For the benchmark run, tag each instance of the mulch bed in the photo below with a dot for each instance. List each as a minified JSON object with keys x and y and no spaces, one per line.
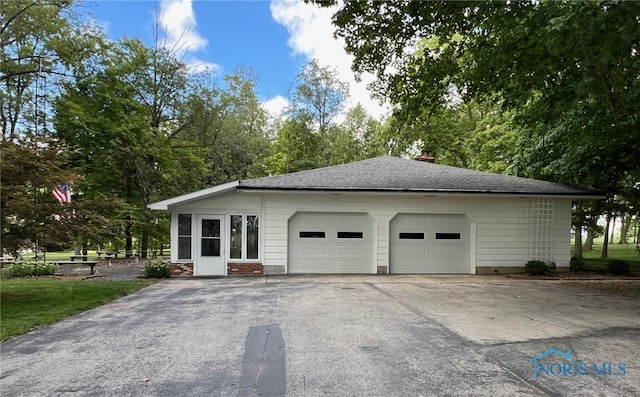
{"x":583,"y":275}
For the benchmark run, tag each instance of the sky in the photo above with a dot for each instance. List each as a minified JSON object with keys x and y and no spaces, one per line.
{"x":275,"y":38}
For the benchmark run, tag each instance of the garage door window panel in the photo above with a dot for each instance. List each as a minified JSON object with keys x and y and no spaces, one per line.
{"x":447,"y":236}
{"x":312,"y":235}
{"x":351,"y":235}
{"x":411,"y":236}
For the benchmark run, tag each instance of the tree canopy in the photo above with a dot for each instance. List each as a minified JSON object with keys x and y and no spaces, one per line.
{"x":539,"y":88}
{"x":568,"y":69}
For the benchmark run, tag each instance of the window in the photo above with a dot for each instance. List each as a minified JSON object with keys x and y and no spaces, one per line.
{"x":184,"y":236}
{"x":244,"y":237}
{"x":235,"y":237}
{"x":252,"y":236}
{"x":447,"y":236}
{"x":210,"y":242}
{"x":311,"y":234}
{"x":350,"y":234}
{"x":411,"y":236}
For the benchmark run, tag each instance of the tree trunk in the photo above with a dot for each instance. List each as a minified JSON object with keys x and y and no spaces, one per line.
{"x":128,"y":238}
{"x":577,"y":252}
{"x":161,"y":249}
{"x":144,"y":246}
{"x":588,"y":244}
{"x":605,"y":243}
{"x":624,"y":227}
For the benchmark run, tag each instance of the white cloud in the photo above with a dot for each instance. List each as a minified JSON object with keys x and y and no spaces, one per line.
{"x":311,"y":35}
{"x":179,"y":23}
{"x":276,"y":106}
{"x":196,"y":65}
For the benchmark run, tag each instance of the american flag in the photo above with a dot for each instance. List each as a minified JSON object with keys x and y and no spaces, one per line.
{"x":62,"y":193}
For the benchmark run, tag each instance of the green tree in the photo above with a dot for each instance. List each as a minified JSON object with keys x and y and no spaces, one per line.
{"x":29,"y":172}
{"x":230,"y":126}
{"x":295,"y":147}
{"x":41,"y":42}
{"x":358,"y":137}
{"x":320,"y":94}
{"x":124,"y":127}
{"x":568,"y":70}
{"x":319,"y":98}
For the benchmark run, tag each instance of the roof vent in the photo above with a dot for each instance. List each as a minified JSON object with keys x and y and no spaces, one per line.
{"x":426,"y":157}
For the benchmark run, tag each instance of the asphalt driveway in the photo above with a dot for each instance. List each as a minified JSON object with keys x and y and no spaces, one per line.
{"x":336,"y":336}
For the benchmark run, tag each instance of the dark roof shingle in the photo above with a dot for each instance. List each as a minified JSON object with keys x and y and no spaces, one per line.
{"x":388,"y":173}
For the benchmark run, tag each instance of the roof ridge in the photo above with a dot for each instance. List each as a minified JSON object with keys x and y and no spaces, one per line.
{"x":316,"y":169}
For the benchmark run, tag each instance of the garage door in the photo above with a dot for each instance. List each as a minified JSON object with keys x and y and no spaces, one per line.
{"x":330,"y":243}
{"x":429,"y":243}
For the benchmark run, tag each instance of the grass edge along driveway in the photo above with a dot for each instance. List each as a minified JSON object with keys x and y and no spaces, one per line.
{"x":29,"y":303}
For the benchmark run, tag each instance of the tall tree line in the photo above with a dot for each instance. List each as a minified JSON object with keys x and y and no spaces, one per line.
{"x":126,"y":124}
{"x":561,"y":76}
{"x":537,"y":89}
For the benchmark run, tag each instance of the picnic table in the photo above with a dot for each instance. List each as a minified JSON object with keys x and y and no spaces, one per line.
{"x":91,"y":264}
{"x":83,"y":257}
{"x":140,"y":253}
{"x":108,"y":254}
{"x":7,"y":259}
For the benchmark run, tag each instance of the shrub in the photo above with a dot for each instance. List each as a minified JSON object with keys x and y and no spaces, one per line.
{"x":577,"y":264}
{"x":536,"y":268}
{"x":551,"y":267}
{"x":617,"y":266}
{"x":157,"y":268}
{"x":28,"y":270}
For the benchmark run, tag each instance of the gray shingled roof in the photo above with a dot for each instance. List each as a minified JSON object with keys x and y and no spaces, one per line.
{"x":395,"y":174}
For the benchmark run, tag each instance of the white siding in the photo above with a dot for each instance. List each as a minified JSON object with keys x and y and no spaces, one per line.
{"x":562,"y":233}
{"x":223,"y":204}
{"x":502,"y":225}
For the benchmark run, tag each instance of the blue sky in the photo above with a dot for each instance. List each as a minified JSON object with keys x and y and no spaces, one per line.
{"x":275,"y":38}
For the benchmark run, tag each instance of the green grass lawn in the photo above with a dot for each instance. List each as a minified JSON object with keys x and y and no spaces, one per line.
{"x":26,"y":304}
{"x":625,"y":252}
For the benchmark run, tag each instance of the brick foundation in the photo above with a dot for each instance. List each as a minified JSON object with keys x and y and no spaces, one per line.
{"x":244,"y":269}
{"x":181,"y":269}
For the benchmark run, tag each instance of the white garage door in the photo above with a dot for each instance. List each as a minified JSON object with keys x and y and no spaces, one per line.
{"x":330,"y":243}
{"x":429,"y":243}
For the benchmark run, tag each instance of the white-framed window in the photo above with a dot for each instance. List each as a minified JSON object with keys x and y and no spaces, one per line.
{"x":184,"y":236}
{"x":244,"y":236}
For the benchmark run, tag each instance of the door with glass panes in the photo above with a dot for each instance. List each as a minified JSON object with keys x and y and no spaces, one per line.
{"x":210,"y":257}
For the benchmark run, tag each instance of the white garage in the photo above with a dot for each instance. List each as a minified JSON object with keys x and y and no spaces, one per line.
{"x":381,"y":215}
{"x":330,"y":243}
{"x":429,"y":243}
